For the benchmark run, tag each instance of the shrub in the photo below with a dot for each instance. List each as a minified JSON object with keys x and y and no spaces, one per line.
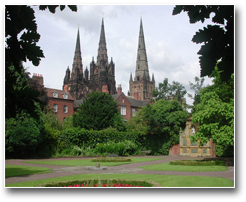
{"x":22,"y":136}
{"x":197,"y":162}
{"x":111,"y":159}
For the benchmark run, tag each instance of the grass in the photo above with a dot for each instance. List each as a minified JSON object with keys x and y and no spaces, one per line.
{"x":88,"y":162}
{"x":163,"y":180}
{"x":168,"y":167}
{"x":16,"y":170}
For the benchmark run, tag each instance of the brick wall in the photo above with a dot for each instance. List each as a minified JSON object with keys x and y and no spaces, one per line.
{"x":174,"y":150}
{"x":126,"y":104}
{"x":60,"y":104}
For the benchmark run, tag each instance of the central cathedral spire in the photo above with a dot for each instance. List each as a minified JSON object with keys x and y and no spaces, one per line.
{"x":102,"y":56}
{"x":77,"y":60}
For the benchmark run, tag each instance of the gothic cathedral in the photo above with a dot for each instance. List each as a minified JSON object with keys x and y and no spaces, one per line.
{"x":102,"y":73}
{"x":141,"y":88}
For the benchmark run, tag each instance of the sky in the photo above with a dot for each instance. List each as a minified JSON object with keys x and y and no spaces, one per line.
{"x":170,"y":52}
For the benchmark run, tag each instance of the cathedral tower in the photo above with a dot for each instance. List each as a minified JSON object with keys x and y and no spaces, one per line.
{"x":141,"y":87}
{"x":102,"y":73}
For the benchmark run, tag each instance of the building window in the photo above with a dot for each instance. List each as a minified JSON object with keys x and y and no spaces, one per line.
{"x":184,"y":142}
{"x":122,"y":100}
{"x":133,"y":112}
{"x":55,"y":94}
{"x":123,"y":110}
{"x":65,"y":95}
{"x":55,"y":108}
{"x":65,"y":108}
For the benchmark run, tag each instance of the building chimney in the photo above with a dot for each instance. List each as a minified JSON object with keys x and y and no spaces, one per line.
{"x":105,"y":89}
{"x":136,"y":96}
{"x":119,"y":89}
{"x":65,"y":88}
{"x":39,"y":79}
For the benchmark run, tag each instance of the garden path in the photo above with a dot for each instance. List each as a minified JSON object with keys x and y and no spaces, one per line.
{"x":127,"y":168}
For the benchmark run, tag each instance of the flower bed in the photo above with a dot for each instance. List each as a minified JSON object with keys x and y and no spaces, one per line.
{"x":111,"y":159}
{"x":203,"y":162}
{"x":103,"y":183}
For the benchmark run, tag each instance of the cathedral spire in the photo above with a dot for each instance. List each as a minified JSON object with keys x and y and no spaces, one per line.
{"x":142,"y":62}
{"x":102,"y":56}
{"x":77,"y":60}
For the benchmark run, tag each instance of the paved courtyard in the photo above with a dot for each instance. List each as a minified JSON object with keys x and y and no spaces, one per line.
{"x":127,"y":168}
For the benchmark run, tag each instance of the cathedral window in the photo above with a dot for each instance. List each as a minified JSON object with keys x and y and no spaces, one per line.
{"x":55,"y":94}
{"x":123,"y":110}
{"x":138,"y":78}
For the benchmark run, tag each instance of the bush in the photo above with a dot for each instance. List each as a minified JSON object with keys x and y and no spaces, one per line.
{"x":111,"y":159}
{"x":197,"y":162}
{"x":22,"y":136}
{"x":121,"y":148}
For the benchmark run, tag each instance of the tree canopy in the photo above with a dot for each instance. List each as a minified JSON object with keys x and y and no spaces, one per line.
{"x":98,"y":111}
{"x":160,"y":123}
{"x":215,"y":114}
{"x":217,"y":40}
{"x":167,"y":91}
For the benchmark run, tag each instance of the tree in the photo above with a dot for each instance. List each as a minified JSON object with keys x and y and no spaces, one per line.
{"x":21,"y":35}
{"x":168,"y":91}
{"x":215,"y":114}
{"x":21,"y":39}
{"x":23,"y":135}
{"x":98,"y":111}
{"x":197,"y":86}
{"x":218,"y":40}
{"x":22,"y":94}
{"x":161,"y":123}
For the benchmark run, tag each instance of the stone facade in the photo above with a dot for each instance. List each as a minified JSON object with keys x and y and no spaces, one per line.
{"x":101,"y":76}
{"x":192,"y":149}
{"x":141,"y":87}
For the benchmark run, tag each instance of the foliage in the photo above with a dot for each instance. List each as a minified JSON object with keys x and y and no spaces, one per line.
{"x":203,"y":162}
{"x":197,"y":86}
{"x":159,"y":125}
{"x":111,"y":159}
{"x":21,"y":35}
{"x":23,"y":135}
{"x":169,"y":91}
{"x":101,"y":183}
{"x":121,"y":148}
{"x":218,"y":40}
{"x":97,"y":112}
{"x":21,"y":94}
{"x":215,"y":114}
{"x":90,"y":138}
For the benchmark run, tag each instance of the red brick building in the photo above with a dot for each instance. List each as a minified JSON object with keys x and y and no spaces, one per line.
{"x":60,"y":101}
{"x":128,"y":106}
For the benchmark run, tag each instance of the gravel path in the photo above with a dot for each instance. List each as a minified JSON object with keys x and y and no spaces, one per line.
{"x":127,"y":168}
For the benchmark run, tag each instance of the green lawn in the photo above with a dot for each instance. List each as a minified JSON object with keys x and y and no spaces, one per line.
{"x":168,"y":167}
{"x":15,"y":170}
{"x":88,"y":162}
{"x":163,"y":180}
